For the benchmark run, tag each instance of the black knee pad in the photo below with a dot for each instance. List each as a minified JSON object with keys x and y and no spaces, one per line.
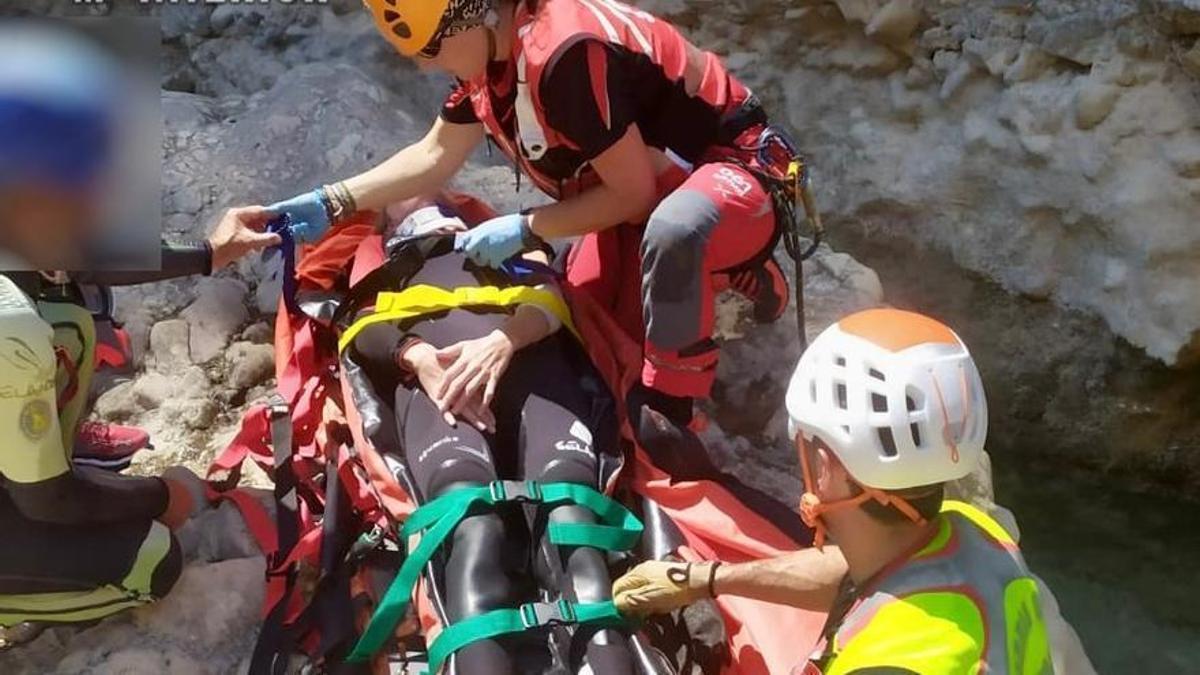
{"x":480,"y":566}
{"x":167,"y":573}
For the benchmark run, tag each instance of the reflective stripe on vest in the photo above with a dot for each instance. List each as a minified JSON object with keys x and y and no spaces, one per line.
{"x":966,"y":599}
{"x":423,"y":300}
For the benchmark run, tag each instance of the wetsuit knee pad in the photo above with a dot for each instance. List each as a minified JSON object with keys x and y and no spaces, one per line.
{"x":481,"y":561}
{"x":680,"y":225}
{"x":479,"y":566}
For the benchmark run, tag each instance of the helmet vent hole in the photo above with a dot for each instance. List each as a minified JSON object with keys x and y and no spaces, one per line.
{"x":916,"y":434}
{"x":915,"y":398}
{"x":879,"y":403}
{"x":402,"y":30}
{"x":812,"y":391}
{"x":839,"y":361}
{"x":877,"y":375}
{"x":391,"y":2}
{"x":888,"y":442}
{"x":839,"y":394}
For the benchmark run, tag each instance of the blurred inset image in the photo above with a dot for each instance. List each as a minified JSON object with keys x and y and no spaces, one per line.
{"x":80,"y":139}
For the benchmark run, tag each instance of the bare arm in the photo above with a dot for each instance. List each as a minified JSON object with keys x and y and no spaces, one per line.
{"x":626,"y":193}
{"x":808,"y":578}
{"x":529,"y":324}
{"x":419,"y":169}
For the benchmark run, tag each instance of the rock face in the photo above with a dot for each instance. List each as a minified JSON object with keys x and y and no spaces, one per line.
{"x":1050,"y":145}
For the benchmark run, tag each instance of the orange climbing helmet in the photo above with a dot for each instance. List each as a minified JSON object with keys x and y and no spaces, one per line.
{"x":417,"y":27}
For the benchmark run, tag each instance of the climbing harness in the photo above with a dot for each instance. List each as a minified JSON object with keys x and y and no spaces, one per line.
{"x":775,"y":148}
{"x":618,"y":530}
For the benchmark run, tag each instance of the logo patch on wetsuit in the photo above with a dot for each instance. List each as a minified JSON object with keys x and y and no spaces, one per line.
{"x":579,"y":430}
{"x":36,"y":419}
{"x":581,"y":443}
{"x":481,"y":454}
{"x":435,"y":445}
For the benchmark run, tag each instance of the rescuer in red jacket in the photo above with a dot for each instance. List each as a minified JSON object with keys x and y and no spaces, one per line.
{"x":650,"y":147}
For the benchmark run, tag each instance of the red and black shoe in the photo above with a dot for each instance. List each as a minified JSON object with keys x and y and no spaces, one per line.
{"x":766,"y":287}
{"x":108,"y":446}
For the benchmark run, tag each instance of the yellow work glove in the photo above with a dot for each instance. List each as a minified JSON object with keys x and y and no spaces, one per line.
{"x":659,"y":586}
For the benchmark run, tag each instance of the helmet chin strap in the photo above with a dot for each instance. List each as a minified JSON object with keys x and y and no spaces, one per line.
{"x":812,"y":508}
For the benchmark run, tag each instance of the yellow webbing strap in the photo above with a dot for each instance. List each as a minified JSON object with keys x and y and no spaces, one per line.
{"x":423,"y":299}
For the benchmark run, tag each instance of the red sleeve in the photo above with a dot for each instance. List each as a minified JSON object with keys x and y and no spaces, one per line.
{"x":457,"y":108}
{"x":585,"y":97}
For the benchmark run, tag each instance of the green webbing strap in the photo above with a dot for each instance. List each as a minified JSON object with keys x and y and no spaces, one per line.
{"x":505,"y":621}
{"x":618,"y":530}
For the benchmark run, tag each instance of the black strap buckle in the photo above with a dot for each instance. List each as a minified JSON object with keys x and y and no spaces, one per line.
{"x":522,"y":492}
{"x":535,"y":614}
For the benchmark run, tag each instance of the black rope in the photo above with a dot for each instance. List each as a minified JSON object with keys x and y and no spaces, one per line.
{"x":785,"y":192}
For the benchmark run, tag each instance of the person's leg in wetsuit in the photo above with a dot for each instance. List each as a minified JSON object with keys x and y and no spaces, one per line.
{"x":561,"y":431}
{"x":479,"y":571}
{"x":43,"y":577}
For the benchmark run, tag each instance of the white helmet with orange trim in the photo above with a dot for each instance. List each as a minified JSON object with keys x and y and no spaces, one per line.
{"x":896,"y":397}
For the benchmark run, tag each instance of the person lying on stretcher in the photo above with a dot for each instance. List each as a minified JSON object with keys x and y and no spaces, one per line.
{"x":490,"y":393}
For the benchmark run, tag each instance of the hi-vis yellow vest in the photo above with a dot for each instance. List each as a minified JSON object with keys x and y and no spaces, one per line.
{"x":33,"y":443}
{"x":963,"y":604}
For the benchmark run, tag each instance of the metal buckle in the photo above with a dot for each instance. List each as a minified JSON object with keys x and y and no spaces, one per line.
{"x":277,"y":407}
{"x":535,"y":614}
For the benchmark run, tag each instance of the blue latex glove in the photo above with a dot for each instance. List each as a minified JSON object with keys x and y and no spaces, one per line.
{"x":310,"y":220}
{"x":495,"y":240}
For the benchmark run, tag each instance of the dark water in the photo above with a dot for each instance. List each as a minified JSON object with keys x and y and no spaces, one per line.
{"x":1094,"y":447}
{"x":1124,"y":565}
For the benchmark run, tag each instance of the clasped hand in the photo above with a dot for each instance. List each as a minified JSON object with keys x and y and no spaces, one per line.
{"x":462,"y":379}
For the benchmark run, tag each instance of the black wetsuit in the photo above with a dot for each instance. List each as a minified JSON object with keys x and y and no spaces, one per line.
{"x":554,"y":421}
{"x":82,"y":528}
